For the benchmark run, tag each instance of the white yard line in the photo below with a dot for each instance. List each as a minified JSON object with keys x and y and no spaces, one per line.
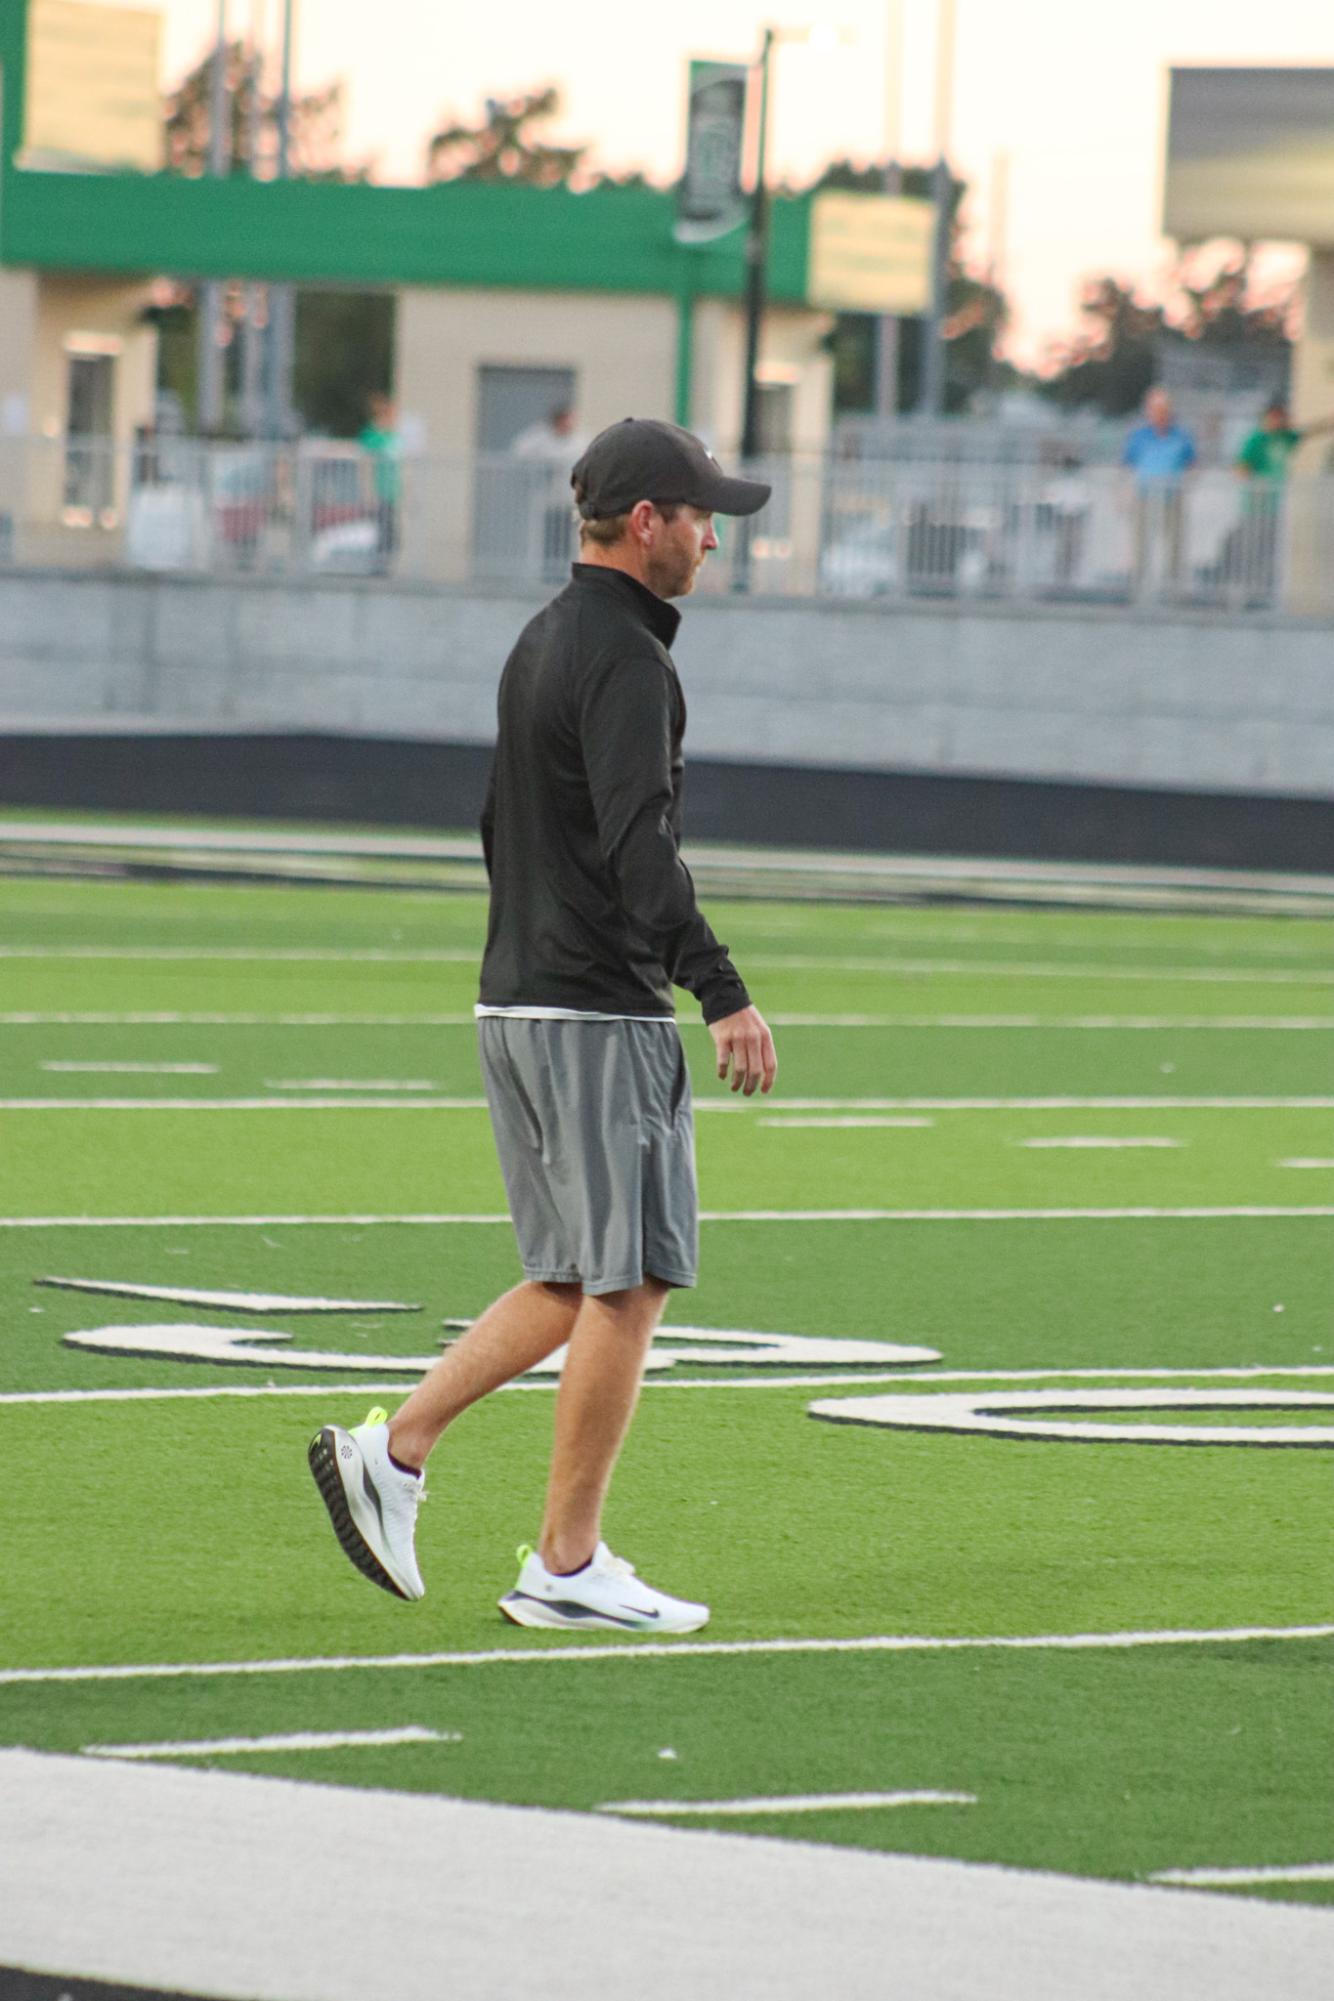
{"x":169,"y":1877}
{"x":1092,"y":1142}
{"x":1124,"y":1104}
{"x":174,"y":1018}
{"x":369,"y":1221}
{"x":678,"y":1650}
{"x":284,"y":1390}
{"x":863,"y":1379}
{"x":226,"y":1301}
{"x":1109,"y":1023}
{"x":1297,"y":1023}
{"x":782,"y":1803}
{"x":784,"y":1112}
{"x":351,"y":1084}
{"x":1016,"y":969}
{"x":1318,"y":975}
{"x":462,"y":955}
{"x":1224,"y":1879}
{"x":271,"y":1104}
{"x":866,"y":1120}
{"x":296,"y":1740}
{"x":135,"y":1069}
{"x":1304,"y":1163}
{"x":170,"y":1018}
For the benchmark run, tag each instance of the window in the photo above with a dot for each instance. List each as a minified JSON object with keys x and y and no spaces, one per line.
{"x":89,"y":486}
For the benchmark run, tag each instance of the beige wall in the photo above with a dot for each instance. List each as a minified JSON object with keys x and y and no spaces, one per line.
{"x":18,"y":335}
{"x":622,"y":350}
{"x":107,"y":312}
{"x":97,"y":316}
{"x":790,"y":346}
{"x":1307,"y":525}
{"x":18,"y":332}
{"x":1313,"y":362}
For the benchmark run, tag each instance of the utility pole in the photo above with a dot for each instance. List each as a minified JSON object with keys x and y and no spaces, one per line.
{"x":932,"y":399}
{"x":998,"y":215}
{"x":254,"y":324}
{"x":209,"y":399}
{"x":757,"y":257}
{"x":282,"y":298}
{"x":887,"y":329}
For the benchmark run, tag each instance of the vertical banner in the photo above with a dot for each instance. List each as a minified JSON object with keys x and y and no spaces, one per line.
{"x":710,"y":201}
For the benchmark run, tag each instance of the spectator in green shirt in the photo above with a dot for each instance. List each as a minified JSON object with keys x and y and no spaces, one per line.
{"x":1266,"y":452}
{"x":379,"y":439}
{"x":1263,"y":464}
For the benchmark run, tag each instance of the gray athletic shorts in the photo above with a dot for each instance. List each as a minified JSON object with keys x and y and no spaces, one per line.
{"x":597,"y":1146}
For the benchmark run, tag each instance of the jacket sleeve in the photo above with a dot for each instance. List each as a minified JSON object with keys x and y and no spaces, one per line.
{"x":625,"y":729}
{"x":488,"y":822}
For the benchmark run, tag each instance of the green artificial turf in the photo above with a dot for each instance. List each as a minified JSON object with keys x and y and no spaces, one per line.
{"x":179,"y":1531}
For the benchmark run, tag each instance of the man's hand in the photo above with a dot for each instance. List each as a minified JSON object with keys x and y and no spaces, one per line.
{"x":744,"y":1045}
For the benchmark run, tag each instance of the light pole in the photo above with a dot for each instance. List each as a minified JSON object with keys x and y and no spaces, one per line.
{"x":254,"y":323}
{"x":932,"y":399}
{"x":209,"y":395}
{"x":887,"y":331}
{"x":757,"y":257}
{"x":282,"y":298}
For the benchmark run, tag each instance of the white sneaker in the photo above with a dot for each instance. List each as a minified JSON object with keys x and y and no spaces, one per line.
{"x":605,"y":1593}
{"x":372,"y":1503}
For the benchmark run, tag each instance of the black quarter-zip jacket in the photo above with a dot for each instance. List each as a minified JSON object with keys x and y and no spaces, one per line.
{"x":592,"y":907}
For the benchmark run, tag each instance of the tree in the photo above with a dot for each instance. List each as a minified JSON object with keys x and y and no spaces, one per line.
{"x":315,"y":124}
{"x":344,"y":355}
{"x":1113,"y":359}
{"x":1118,"y":353}
{"x":506,"y":146}
{"x":976,"y":314}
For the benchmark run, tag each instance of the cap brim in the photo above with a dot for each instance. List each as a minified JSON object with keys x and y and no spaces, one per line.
{"x":736,"y":496}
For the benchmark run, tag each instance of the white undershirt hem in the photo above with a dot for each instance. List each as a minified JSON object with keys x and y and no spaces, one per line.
{"x":566,"y":1014}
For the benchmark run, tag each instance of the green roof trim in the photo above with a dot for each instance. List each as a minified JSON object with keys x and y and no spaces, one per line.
{"x":459,"y":233}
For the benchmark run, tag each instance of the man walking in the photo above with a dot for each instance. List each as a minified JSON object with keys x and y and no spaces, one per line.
{"x":593,"y":919}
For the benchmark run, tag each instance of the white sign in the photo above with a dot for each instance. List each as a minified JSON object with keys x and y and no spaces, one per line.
{"x":870,"y":253}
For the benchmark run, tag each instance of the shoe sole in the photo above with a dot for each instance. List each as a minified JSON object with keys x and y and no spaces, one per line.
{"x":526,"y":1611}
{"x":323,"y":1460}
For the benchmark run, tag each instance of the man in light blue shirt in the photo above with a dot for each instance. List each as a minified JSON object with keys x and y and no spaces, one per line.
{"x":1159,"y":450}
{"x":1158,"y":453}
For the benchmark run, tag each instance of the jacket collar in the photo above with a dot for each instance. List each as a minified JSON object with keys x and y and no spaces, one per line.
{"x":661,"y":618}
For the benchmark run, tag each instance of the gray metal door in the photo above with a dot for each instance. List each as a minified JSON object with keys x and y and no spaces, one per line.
{"x":517,"y":499}
{"x":510,"y":399}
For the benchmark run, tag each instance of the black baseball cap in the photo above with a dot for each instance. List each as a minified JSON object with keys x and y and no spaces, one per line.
{"x":642,"y":458}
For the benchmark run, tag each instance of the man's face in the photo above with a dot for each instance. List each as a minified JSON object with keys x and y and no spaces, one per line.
{"x":677,"y":551}
{"x":1158,"y":409}
{"x":1275,"y":418}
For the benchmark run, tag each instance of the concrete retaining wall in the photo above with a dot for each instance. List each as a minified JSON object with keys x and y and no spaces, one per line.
{"x":1086,"y":695}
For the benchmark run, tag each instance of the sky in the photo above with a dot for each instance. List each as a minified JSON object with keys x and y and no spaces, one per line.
{"x":1072,"y":97}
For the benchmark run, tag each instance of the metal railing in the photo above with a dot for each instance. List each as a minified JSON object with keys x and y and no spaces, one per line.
{"x":844,"y":528}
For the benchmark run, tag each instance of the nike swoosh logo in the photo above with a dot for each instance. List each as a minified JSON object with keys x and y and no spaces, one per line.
{"x":640,"y":1613}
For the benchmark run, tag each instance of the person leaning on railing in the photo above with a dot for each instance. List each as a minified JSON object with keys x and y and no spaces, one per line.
{"x":1263,"y":462}
{"x":380,"y":440}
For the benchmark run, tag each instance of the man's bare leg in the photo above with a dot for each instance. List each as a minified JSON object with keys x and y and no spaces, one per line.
{"x":599,"y":1387}
{"x":521,"y":1329}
